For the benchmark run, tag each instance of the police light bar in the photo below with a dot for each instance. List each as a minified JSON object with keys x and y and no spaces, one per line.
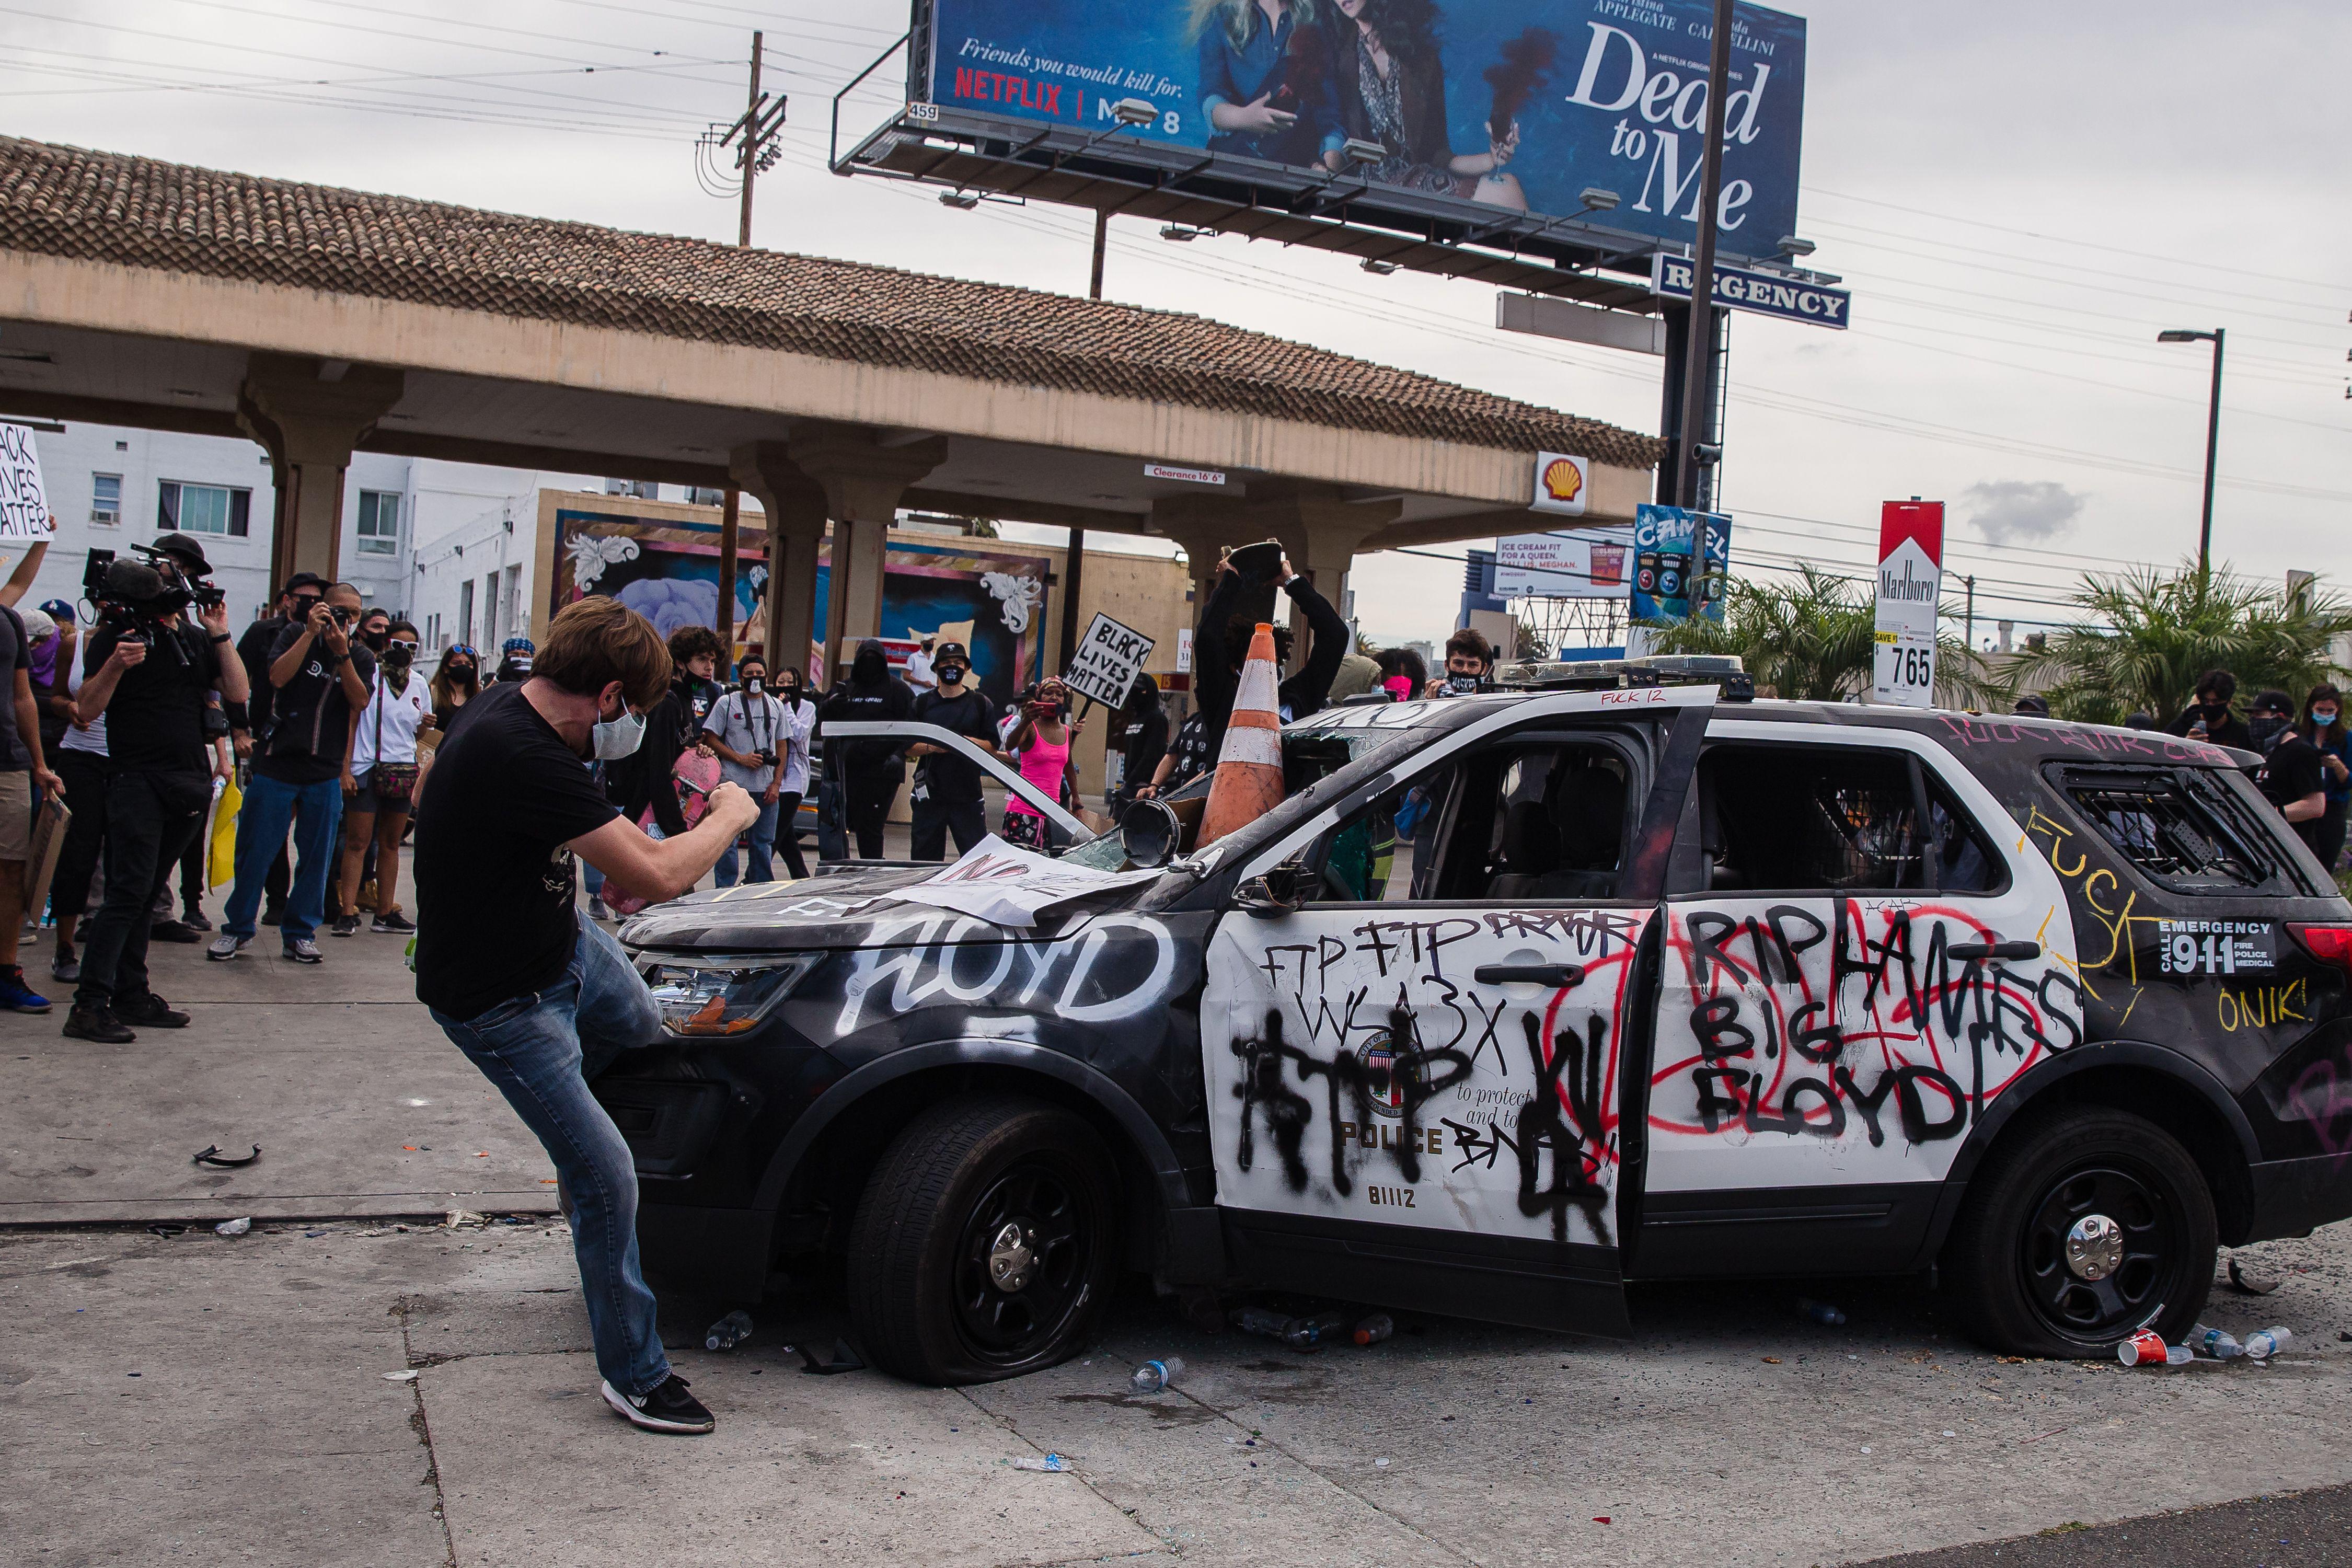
{"x":1605,"y":673}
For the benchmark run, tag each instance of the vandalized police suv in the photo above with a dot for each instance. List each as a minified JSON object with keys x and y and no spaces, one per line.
{"x":1518,"y":997}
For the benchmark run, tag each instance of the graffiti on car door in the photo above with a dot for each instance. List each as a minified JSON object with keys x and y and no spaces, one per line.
{"x":1360,"y":1068}
{"x":1848,"y":1024}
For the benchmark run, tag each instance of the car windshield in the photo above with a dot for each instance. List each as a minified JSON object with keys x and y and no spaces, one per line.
{"x":1310,"y":753}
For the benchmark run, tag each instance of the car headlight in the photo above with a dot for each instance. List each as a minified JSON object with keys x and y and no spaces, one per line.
{"x":706,"y":997}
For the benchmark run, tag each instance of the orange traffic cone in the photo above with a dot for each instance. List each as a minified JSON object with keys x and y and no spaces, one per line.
{"x":1248,"y":782}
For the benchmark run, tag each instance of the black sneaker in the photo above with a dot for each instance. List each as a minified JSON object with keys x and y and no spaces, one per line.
{"x":170,"y":931}
{"x":273,"y":914}
{"x":148,"y":1012}
{"x":194,"y":920}
{"x":394,"y":923}
{"x":669,"y":1408}
{"x":98,"y":1024}
{"x":346,"y":925}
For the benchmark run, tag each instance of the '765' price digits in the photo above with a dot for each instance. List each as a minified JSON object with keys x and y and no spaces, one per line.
{"x":1913,"y":667}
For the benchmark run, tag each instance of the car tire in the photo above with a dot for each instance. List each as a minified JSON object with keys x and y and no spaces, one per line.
{"x":985,"y":1242}
{"x":2037,"y":1272}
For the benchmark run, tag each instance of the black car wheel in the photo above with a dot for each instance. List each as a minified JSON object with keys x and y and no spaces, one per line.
{"x":985,"y":1243}
{"x":2083,"y":1227}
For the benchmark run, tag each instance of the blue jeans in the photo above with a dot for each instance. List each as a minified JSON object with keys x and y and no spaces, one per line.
{"x":315,"y":812}
{"x":764,"y":843}
{"x":541,"y":1050}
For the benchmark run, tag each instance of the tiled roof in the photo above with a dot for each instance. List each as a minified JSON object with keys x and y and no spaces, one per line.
{"x":138,"y":212}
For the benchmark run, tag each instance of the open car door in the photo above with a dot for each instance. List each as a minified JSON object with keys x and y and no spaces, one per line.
{"x":1421,"y":1029}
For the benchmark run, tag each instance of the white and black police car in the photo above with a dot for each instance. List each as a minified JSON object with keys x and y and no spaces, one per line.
{"x":1515,"y":998}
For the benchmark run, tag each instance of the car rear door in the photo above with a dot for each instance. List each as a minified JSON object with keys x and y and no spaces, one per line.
{"x":1861,"y":953}
{"x":1416,"y":1076}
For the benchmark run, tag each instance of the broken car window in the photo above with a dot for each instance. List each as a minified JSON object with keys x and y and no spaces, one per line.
{"x":1805,"y":818}
{"x":2183,"y":828}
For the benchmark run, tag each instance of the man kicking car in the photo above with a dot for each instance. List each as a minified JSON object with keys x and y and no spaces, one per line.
{"x":537,"y":998}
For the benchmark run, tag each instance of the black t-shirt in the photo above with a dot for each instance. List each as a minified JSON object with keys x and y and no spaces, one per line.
{"x":950,"y":779}
{"x":699,"y":696}
{"x":870,"y":759}
{"x":15,"y":653}
{"x":155,"y":720}
{"x":495,"y":915}
{"x":2230,"y":732}
{"x":2295,"y":770}
{"x":310,"y":716}
{"x":252,"y":652}
{"x":1147,"y":743}
{"x":1192,"y":752}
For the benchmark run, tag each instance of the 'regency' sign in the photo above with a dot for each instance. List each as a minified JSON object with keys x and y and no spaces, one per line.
{"x":1764,"y":293}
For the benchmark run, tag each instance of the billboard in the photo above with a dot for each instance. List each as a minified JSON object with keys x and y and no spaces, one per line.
{"x":1682,"y":561}
{"x":1567,"y":563}
{"x":1517,"y":105}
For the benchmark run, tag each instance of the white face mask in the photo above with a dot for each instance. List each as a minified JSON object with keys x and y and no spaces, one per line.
{"x":614,"y":738}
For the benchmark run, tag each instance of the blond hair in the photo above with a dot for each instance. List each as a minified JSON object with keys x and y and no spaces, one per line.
{"x":1236,"y":13}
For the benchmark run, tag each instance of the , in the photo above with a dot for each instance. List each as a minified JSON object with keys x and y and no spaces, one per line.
{"x":1609,"y":975}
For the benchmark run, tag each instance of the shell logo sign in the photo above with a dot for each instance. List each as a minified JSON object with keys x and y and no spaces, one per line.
{"x":1561,"y":480}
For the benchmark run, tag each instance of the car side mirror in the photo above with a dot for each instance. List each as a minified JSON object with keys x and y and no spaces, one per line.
{"x":1277,"y":893}
{"x":1152,"y":833}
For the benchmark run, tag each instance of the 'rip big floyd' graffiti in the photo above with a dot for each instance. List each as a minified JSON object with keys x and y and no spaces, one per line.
{"x":1861,"y":1029}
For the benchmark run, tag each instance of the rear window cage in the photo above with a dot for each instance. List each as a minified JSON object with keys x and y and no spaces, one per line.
{"x":1854,"y":823}
{"x":2185,"y":829}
